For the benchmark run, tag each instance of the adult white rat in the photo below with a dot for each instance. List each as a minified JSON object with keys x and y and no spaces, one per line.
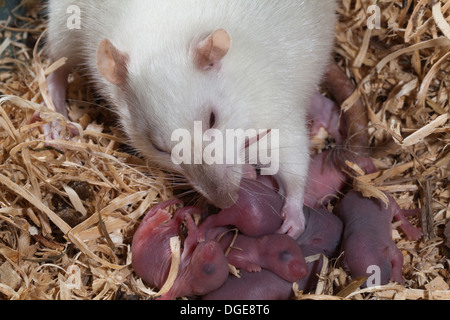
{"x":234,"y":64}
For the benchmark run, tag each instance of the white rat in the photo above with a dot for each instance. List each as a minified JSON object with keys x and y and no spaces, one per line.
{"x":234,"y":64}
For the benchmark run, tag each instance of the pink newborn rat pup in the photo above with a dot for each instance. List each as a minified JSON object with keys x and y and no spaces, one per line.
{"x":276,"y":252}
{"x":322,"y":235}
{"x":151,"y":255}
{"x":324,"y":113}
{"x":367,"y":240}
{"x":326,"y":175}
{"x":256,"y":212}
{"x":327,"y":178}
{"x":203,"y":266}
{"x":264,"y":285}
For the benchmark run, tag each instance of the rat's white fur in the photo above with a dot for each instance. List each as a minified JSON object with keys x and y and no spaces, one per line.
{"x":278,"y":55}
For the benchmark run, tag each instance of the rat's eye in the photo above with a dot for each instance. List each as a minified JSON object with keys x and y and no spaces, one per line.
{"x":209,"y":269}
{"x":158,"y":148}
{"x":212,"y":120}
{"x":285,"y":256}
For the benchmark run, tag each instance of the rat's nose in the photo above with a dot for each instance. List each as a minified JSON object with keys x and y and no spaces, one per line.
{"x":223,"y":198}
{"x":226,"y":193}
{"x":219,"y":184}
{"x":222,"y":193}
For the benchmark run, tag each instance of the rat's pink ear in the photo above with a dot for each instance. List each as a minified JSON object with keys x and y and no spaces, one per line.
{"x":210,"y":52}
{"x":111,"y":63}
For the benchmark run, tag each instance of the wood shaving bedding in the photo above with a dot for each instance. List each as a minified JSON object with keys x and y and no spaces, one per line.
{"x":68,"y":212}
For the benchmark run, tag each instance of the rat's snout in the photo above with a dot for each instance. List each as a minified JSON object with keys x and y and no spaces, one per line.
{"x":222,"y":198}
{"x":219,"y":184}
{"x":222,"y":184}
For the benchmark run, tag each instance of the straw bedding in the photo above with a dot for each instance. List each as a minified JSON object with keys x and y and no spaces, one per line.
{"x":68,"y":212}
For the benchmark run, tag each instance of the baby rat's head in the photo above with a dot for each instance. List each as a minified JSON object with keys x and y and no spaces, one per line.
{"x":169,"y":95}
{"x":205,"y":271}
{"x":284,"y":257}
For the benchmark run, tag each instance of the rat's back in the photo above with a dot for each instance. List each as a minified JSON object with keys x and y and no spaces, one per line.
{"x":259,"y":28}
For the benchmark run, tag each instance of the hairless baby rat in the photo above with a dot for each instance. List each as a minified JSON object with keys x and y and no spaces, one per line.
{"x":367,"y":239}
{"x":264,"y":285}
{"x":328,"y":169}
{"x":234,"y":64}
{"x":203,"y":266}
{"x":323,"y":233}
{"x":256,"y":212}
{"x":205,"y":271}
{"x":278,"y":253}
{"x":327,"y":178}
{"x":150,"y":248}
{"x":322,"y":236}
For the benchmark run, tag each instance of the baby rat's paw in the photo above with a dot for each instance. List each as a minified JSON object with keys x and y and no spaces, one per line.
{"x":399,"y":214}
{"x":252,"y":267}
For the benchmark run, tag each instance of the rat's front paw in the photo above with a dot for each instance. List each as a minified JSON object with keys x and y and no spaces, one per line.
{"x":56,"y":129}
{"x":294,"y":219}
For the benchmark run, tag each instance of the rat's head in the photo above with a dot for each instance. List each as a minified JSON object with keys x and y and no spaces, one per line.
{"x":323,"y":232}
{"x":205,"y":271}
{"x":175,"y":110}
{"x":208,"y":268}
{"x":371,"y":261}
{"x":284,"y":257}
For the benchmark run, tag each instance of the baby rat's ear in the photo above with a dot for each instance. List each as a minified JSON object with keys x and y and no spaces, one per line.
{"x":212,"y":50}
{"x":111,"y":63}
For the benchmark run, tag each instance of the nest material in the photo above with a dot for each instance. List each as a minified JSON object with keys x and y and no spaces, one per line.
{"x":67,"y":216}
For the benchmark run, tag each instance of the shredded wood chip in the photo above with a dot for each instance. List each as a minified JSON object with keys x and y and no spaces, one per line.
{"x":50,"y":251}
{"x":175,"y":248}
{"x":440,"y":20}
